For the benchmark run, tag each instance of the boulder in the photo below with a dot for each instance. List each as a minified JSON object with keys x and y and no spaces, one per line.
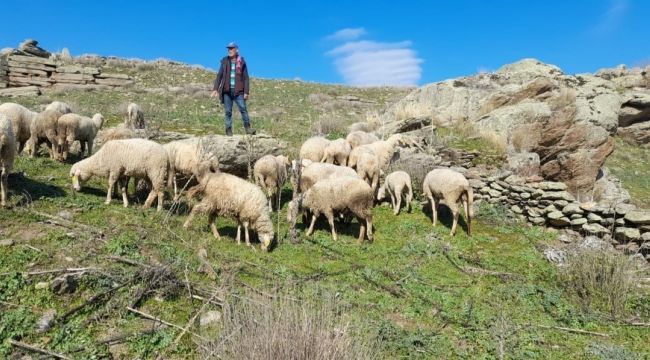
{"x":524,"y":164}
{"x":556,"y":218}
{"x":572,"y":208}
{"x":638,"y":217}
{"x":20,"y":91}
{"x":237,"y":154}
{"x":627,"y":234}
{"x":552,"y":186}
{"x":595,"y":229}
{"x":31,"y":47}
{"x":557,"y":195}
{"x":578,"y":221}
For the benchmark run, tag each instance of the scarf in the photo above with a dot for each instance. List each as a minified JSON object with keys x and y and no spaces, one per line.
{"x":240,"y":64}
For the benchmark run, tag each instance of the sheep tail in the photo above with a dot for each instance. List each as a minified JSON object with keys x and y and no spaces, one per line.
{"x":469,"y":198}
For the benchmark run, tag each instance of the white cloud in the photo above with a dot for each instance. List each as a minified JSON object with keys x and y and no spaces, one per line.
{"x":612,"y":17}
{"x":373,"y":63}
{"x":347,"y":34}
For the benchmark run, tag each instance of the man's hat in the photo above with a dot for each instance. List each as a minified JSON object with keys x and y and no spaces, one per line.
{"x":232,"y":45}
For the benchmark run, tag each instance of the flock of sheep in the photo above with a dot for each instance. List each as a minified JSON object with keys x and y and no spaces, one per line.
{"x":335,"y":178}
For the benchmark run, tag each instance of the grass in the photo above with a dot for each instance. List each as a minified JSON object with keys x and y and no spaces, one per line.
{"x":407,"y":292}
{"x":631,"y":164}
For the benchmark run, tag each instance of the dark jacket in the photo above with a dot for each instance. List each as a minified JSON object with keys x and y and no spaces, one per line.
{"x":222,"y":82}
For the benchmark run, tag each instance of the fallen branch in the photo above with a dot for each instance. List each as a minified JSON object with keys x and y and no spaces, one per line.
{"x":54,"y":271}
{"x":33,"y":348}
{"x":93,"y":299}
{"x":477,"y":271}
{"x":161,"y":321}
{"x":57,"y":220}
{"x":577,"y":331}
{"x":127,"y":261}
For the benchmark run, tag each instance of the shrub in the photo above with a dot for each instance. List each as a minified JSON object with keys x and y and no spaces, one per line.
{"x":282,"y":327}
{"x":599,"y":279}
{"x":328,"y":125}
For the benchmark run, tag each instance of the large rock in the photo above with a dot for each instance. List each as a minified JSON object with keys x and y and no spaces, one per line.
{"x":567,"y":120}
{"x":237,"y":154}
{"x":524,"y":164}
{"x":31,"y":47}
{"x":634,"y":118}
{"x":638,"y":217}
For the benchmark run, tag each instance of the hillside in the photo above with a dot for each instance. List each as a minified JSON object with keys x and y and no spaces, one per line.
{"x":415,"y":292}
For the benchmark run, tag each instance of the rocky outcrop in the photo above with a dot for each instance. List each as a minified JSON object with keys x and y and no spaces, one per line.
{"x":634,"y":118}
{"x":567,"y":120}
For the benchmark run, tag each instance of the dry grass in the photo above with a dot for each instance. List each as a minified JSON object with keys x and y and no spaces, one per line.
{"x":600,"y":279}
{"x":408,"y":110}
{"x":468,"y":130}
{"x":277,"y":326}
{"x":328,"y":124}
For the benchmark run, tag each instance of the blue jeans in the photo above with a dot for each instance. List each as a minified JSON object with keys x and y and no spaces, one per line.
{"x":228,"y":99}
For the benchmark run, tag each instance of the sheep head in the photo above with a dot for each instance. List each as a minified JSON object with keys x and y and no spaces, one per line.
{"x":381,"y":193}
{"x":98,"y":121}
{"x":78,"y":176}
{"x":266,"y":239}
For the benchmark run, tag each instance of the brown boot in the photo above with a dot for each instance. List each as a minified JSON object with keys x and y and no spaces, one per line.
{"x":250,"y":130}
{"x":228,"y":131}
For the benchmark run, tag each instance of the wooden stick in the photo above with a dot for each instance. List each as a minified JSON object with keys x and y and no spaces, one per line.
{"x":153,"y":318}
{"x":577,"y":331}
{"x":29,"y":347}
{"x":43,"y":272}
{"x":127,"y":261}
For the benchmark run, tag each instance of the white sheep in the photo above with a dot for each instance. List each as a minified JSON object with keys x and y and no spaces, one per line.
{"x":43,"y":129}
{"x":358,"y":138}
{"x":119,"y":160}
{"x":134,"y":116}
{"x":336,"y":196}
{"x":337,"y":152}
{"x":313,"y":148}
{"x":228,"y":195}
{"x":74,"y":127}
{"x":270,"y":173}
{"x":21,"y":120}
{"x":59,"y":106}
{"x":384,"y":149}
{"x":7,"y":155}
{"x":120,"y":132}
{"x":397,"y":184}
{"x":185,"y":156}
{"x":368,"y":167}
{"x":315,"y":172}
{"x":451,"y":187}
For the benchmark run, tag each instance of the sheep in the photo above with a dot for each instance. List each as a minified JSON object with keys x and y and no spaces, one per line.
{"x":397,"y":184}
{"x":451,"y":187}
{"x":228,"y":195}
{"x":119,"y":132}
{"x":43,"y":129}
{"x":119,"y":160}
{"x":368,"y":168}
{"x":7,"y":155}
{"x":384,"y":149}
{"x":59,"y":106}
{"x":313,"y":148}
{"x":21,"y":120}
{"x":315,"y":172}
{"x":270,"y":173}
{"x":340,"y":195}
{"x":73,"y":127}
{"x":358,"y":138}
{"x":134,"y":117}
{"x":337,"y":152}
{"x":185,"y":156}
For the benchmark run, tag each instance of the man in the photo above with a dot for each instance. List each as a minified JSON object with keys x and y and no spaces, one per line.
{"x":232,"y":85}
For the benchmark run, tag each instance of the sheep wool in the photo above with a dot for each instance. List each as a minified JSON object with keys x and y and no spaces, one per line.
{"x":384,"y":149}
{"x":185,"y":156}
{"x":315,"y":172}
{"x":119,"y":160}
{"x":368,"y":168}
{"x":358,"y":138}
{"x":337,"y":152}
{"x":313,"y":148}
{"x":43,"y":129}
{"x":397,"y":185}
{"x":21,"y":120}
{"x":59,"y":106}
{"x":7,"y":155}
{"x":120,"y":132}
{"x":228,"y":195}
{"x":337,"y":196}
{"x":134,"y":116}
{"x":270,"y":173}
{"x":451,"y":187}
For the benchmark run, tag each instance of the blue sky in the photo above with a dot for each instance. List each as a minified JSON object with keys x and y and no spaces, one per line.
{"x":354,"y":42}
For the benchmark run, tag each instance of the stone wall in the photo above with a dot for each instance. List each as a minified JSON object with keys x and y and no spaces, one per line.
{"x":548,"y":203}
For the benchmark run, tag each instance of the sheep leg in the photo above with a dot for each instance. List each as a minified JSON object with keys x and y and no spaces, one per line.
{"x":89,"y":147}
{"x":362,"y":230}
{"x":369,"y":227}
{"x":392,"y":199}
{"x":111,"y":185}
{"x":398,"y":197}
{"x":161,"y":199}
{"x":246,"y":234}
{"x":238,"y":237}
{"x":82,"y":145}
{"x":3,"y":187}
{"x":409,"y":198}
{"x":311,"y":225}
{"x":434,"y":210}
{"x":455,"y":212}
{"x":212,"y":220}
{"x":330,"y":219}
{"x":200,"y":207}
{"x":124,"y":184}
